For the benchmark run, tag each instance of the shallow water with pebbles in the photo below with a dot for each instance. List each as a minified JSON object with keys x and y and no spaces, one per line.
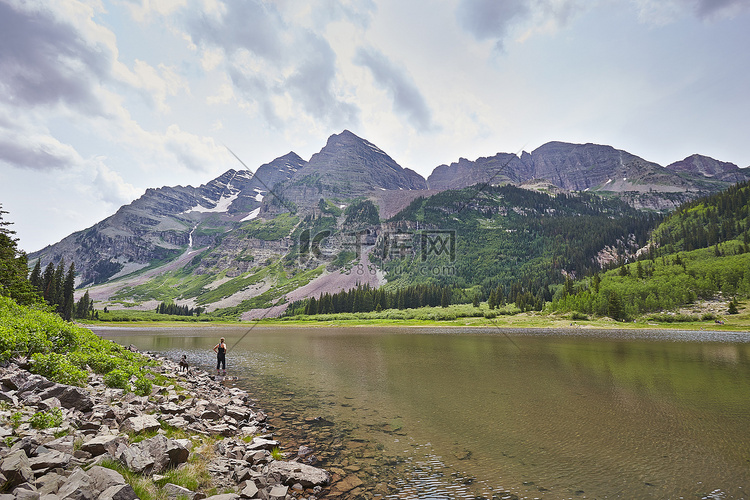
{"x":438,"y":413}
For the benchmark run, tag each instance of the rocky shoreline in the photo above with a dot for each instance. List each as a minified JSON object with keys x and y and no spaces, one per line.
{"x":107,"y":443}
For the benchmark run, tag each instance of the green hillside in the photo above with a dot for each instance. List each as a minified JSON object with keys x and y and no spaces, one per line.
{"x":516,"y":239}
{"x":700,"y":252}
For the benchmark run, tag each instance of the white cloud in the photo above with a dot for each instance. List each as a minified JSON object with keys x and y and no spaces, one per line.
{"x":110,"y":187}
{"x":156,"y":84}
{"x":212,"y":57}
{"x":35,"y":151}
{"x":145,"y":11}
{"x":224,"y":95}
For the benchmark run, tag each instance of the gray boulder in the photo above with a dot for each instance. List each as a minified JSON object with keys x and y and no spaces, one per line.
{"x":9,"y":397}
{"x":167,"y":453}
{"x":69,"y":396}
{"x":16,"y":469}
{"x":118,"y":492}
{"x":34,"y":383}
{"x":294,"y":472}
{"x":49,"y":403}
{"x":278,"y":492}
{"x":142,"y":423}
{"x":49,"y":483}
{"x":92,"y":484}
{"x":135,"y":459}
{"x":23,"y":494}
{"x":105,"y":443}
{"x":175,"y":491}
{"x":259,"y":443}
{"x":50,"y":460}
{"x":14,"y":378}
{"x":249,"y":491}
{"x":152,"y":456}
{"x":76,"y":487}
{"x":239,"y":412}
{"x":64,"y":444}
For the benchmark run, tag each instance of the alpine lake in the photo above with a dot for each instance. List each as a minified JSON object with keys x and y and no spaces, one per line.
{"x":439,"y":413}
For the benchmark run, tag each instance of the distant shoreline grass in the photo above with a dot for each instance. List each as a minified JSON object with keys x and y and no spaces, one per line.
{"x":421,"y":318}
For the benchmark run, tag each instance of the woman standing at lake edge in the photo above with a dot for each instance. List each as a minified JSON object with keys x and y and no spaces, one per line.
{"x":221,"y":356}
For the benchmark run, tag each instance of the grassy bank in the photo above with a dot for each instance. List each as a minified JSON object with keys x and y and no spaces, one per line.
{"x":467,"y":315}
{"x":67,"y":353}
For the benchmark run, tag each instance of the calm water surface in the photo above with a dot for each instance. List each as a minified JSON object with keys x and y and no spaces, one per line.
{"x":465,"y":413}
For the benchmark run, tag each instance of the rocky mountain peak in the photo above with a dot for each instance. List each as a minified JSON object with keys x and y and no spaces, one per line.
{"x":708,"y":167}
{"x":348,"y":167}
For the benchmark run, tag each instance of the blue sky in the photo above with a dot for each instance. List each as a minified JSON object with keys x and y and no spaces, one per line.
{"x":100,"y":100}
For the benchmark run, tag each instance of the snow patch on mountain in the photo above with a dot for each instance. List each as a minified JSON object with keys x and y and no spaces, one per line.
{"x":221,"y":206}
{"x":252,"y":215}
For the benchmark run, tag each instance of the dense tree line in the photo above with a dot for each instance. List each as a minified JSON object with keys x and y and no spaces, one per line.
{"x":57,"y":286}
{"x":707,"y":221}
{"x":175,"y":310}
{"x":367,"y":299}
{"x":361,"y":214}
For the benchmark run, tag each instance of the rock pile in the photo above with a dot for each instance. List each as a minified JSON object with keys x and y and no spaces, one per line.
{"x":103,"y":428}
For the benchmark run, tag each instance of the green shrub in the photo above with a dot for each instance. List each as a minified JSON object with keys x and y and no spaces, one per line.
{"x":46,"y":419}
{"x":142,"y":386}
{"x":579,"y":316}
{"x":117,"y":379}
{"x":58,"y":368}
{"x":277,"y":454}
{"x":99,"y":362}
{"x":16,"y":419}
{"x":733,"y":308}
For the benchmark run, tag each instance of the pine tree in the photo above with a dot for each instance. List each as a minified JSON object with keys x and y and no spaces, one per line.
{"x":596,"y":281}
{"x":36,"y":276}
{"x":312,"y":307}
{"x":624,"y":271}
{"x":499,"y":296}
{"x":614,"y":307}
{"x":445,"y":299}
{"x":733,"y":307}
{"x":58,"y":282}
{"x":492,"y":300}
{"x":48,"y":283}
{"x":67,"y":296}
{"x":83,"y":306}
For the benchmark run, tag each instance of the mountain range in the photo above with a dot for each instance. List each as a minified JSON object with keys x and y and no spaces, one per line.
{"x":244,"y":220}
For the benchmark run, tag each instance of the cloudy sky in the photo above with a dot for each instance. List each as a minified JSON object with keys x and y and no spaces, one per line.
{"x":101,"y":99}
